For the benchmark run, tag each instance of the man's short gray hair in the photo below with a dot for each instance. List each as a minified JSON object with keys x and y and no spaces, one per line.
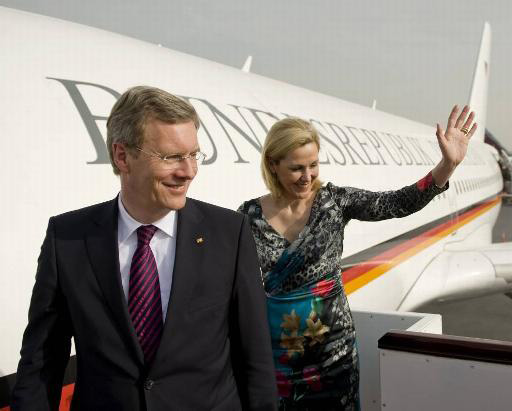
{"x":137,"y":106}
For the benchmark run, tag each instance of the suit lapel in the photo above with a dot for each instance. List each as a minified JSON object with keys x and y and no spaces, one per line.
{"x":190,"y":243}
{"x":102,"y":246}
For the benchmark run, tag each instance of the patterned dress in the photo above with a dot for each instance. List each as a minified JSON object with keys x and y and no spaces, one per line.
{"x":313,"y":336}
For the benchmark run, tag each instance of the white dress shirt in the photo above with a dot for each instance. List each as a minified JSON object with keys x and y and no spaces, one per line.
{"x":163,"y":245}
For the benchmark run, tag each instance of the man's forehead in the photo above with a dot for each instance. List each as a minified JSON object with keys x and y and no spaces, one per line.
{"x":182,"y":134}
{"x":156,"y":124}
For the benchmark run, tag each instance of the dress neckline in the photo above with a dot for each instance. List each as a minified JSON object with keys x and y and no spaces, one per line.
{"x":314,"y":206}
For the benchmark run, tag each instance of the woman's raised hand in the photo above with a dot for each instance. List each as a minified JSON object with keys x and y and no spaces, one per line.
{"x":453,"y":141}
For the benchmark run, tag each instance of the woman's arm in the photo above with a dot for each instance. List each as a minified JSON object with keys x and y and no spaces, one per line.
{"x":373,"y":206}
{"x":453,"y":143}
{"x":380,"y":205}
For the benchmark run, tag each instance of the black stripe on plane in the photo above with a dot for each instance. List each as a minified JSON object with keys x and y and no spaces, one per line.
{"x":369,"y":253}
{"x":7,"y":381}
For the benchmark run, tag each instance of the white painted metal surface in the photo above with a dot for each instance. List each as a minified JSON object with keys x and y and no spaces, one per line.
{"x":425,"y":383}
{"x":371,"y":326}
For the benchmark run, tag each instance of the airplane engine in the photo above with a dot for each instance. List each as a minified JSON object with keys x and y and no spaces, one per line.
{"x":457,"y":274}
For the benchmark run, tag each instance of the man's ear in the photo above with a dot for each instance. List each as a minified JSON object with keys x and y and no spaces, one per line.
{"x":120,"y":156}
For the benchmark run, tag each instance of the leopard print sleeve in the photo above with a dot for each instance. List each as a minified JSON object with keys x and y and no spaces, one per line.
{"x":243,"y":208}
{"x":373,"y":206}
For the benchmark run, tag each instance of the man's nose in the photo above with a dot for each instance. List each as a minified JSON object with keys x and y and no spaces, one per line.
{"x":187,"y":168}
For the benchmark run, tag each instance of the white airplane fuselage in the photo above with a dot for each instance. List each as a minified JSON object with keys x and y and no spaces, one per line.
{"x":59,"y":81}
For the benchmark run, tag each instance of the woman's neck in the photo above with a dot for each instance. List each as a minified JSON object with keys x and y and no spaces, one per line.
{"x":294,"y":204}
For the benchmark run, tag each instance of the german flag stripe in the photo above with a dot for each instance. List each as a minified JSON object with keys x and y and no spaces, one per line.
{"x":358,"y":275}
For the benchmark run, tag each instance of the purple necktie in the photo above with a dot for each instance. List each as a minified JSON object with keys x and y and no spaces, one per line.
{"x":144,"y":300}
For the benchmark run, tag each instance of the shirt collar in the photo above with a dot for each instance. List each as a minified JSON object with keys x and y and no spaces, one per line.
{"x":127,"y":224}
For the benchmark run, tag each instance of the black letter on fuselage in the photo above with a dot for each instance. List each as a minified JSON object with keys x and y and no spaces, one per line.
{"x":88,"y":118}
{"x":345,"y":142}
{"x":224,"y":119}
{"x":207,"y":160}
{"x":257,"y":117}
{"x":332,"y":143}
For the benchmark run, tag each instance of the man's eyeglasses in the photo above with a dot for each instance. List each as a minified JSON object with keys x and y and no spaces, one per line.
{"x":172,"y":160}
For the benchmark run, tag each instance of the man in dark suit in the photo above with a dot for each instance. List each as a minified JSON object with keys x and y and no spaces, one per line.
{"x":161,"y":293}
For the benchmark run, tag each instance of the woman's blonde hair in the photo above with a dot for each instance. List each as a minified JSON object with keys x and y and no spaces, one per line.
{"x":286,"y":135}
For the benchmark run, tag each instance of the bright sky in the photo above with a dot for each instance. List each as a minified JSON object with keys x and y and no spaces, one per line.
{"x":416,"y":58}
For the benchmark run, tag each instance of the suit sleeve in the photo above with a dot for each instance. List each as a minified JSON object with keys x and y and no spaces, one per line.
{"x":47,"y":339}
{"x":250,"y":336}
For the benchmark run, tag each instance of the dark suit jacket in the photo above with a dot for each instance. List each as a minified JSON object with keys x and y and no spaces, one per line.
{"x":215,"y":352}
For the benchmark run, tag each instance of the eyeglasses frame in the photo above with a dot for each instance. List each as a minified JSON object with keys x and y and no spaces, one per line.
{"x":175,"y":158}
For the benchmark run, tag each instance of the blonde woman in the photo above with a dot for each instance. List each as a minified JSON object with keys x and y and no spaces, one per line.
{"x":298,"y":229}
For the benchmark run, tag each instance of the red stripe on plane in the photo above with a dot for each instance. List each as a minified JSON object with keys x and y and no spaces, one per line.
{"x":377,"y":260}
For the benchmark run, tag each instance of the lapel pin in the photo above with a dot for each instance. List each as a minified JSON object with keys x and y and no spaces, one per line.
{"x":199,"y":240}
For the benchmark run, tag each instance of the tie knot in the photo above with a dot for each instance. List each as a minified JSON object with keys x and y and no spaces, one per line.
{"x":145,"y":233}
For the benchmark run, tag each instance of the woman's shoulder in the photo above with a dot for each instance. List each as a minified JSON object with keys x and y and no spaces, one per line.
{"x":249,"y":207}
{"x":340,"y":194}
{"x":331,"y":189}
{"x":338,"y":190}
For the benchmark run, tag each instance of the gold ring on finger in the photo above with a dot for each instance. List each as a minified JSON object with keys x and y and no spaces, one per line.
{"x":464,"y":130}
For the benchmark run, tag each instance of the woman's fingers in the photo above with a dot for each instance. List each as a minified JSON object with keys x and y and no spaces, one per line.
{"x":452,"y":117}
{"x":472,"y":131}
{"x":440,"y":135}
{"x":439,"y":132}
{"x":462,"y":117}
{"x":469,"y":121}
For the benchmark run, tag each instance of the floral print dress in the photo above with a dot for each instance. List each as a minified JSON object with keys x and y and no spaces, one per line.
{"x":313,"y":336}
